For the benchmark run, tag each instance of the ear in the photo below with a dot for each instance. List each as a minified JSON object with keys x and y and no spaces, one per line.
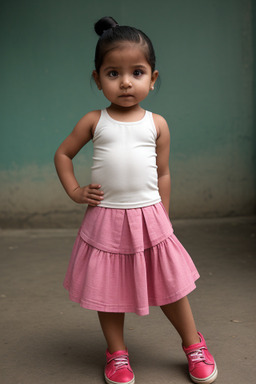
{"x":153,"y":79}
{"x":96,"y":77}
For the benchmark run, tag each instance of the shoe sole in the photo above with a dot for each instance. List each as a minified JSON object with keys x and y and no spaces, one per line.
{"x":208,"y":380}
{"x":116,"y":382}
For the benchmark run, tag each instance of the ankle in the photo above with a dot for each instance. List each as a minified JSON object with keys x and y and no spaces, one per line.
{"x":191,"y":340}
{"x":117,"y":347}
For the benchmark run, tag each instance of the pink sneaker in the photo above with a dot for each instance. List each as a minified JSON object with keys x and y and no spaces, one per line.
{"x":201,"y":364}
{"x":118,"y":369}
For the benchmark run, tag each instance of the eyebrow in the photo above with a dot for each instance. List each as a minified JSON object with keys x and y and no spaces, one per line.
{"x":116,"y":68}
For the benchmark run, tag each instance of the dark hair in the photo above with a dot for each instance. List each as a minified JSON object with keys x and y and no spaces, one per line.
{"x":111,"y":32}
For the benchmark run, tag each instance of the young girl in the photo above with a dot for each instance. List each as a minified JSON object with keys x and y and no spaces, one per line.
{"x":126,"y":257}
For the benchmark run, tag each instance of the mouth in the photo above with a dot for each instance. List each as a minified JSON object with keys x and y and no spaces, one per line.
{"x":126,"y":95}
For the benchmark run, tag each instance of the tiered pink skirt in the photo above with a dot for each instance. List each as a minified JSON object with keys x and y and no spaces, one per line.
{"x":127,"y":260}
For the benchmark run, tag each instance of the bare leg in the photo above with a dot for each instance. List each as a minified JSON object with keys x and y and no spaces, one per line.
{"x":181,"y":317}
{"x":112,"y":325}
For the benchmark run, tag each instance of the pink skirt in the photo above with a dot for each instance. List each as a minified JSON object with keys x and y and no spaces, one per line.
{"x":125,"y":260}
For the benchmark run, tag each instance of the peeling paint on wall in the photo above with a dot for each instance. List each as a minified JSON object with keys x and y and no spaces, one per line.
{"x":33,"y":196}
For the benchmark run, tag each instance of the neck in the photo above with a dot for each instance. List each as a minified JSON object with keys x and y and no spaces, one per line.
{"x":133,"y":113}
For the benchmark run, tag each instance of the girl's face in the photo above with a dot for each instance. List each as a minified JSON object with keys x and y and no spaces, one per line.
{"x":125,"y":76}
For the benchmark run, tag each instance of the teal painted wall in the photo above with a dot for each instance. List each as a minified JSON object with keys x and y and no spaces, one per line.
{"x":204,"y":54}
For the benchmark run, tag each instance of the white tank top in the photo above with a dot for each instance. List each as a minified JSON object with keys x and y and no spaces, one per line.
{"x":124,"y":162}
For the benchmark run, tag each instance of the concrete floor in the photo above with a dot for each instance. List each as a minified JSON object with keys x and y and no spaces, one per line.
{"x":45,"y":338}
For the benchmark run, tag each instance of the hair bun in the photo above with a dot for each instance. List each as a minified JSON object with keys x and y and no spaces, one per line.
{"x":104,"y":24}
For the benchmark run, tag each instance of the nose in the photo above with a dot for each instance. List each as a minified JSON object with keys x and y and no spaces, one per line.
{"x":126,"y":82}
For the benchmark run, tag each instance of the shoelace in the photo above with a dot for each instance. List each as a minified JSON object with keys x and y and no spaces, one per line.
{"x":197,"y":355}
{"x":121,"y":361}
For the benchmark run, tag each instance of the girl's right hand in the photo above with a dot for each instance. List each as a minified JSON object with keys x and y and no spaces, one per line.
{"x":90,"y":194}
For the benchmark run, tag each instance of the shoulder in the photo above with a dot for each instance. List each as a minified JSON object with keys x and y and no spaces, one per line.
{"x":90,"y":119}
{"x":80,"y":135}
{"x":161,"y":125}
{"x":88,"y":122}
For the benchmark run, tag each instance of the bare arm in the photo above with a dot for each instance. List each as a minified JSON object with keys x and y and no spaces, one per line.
{"x":80,"y":136}
{"x":163,"y":152}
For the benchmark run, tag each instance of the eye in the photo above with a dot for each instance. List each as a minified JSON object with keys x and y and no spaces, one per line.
{"x":138,"y":73}
{"x":113,"y":73}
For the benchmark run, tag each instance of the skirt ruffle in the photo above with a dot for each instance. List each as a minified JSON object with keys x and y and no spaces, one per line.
{"x":152,"y":268}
